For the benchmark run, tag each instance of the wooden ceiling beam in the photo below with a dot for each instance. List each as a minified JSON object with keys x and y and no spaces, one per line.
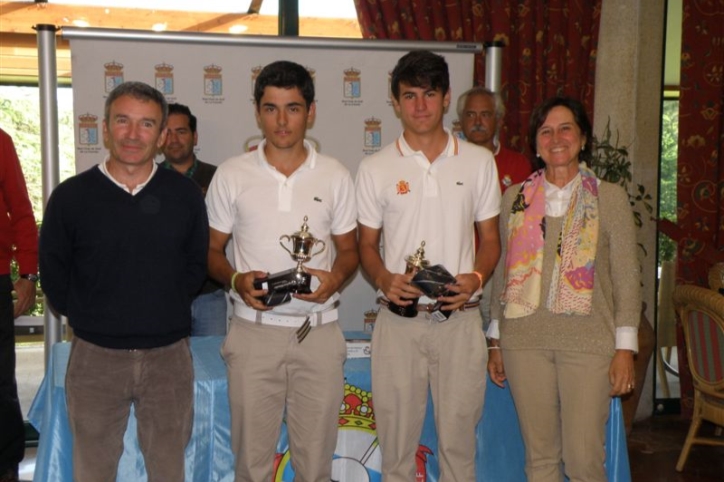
{"x":20,"y":17}
{"x":18,"y":41}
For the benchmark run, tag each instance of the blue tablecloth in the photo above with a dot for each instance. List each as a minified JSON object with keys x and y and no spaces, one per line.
{"x":499,"y":456}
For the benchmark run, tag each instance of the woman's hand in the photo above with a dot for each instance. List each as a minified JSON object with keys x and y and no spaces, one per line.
{"x":621,"y":373}
{"x":496,"y":370}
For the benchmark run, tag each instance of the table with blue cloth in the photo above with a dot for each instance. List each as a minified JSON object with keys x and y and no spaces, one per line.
{"x":499,"y":455}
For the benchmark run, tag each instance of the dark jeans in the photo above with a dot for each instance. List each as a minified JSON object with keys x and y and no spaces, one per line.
{"x":12,"y":431}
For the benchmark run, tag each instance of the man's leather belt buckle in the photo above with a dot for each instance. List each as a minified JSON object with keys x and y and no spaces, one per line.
{"x":430,"y":307}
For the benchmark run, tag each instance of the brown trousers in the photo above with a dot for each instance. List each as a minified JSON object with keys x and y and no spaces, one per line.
{"x":102,"y":384}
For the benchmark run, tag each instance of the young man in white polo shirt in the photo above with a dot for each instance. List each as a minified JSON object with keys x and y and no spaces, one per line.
{"x":428,"y":186}
{"x":254,"y":199}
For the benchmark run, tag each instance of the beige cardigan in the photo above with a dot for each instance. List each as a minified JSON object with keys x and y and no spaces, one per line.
{"x":616,"y":289}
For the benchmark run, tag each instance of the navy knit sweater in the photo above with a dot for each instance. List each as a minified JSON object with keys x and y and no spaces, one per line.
{"x":124,"y":268}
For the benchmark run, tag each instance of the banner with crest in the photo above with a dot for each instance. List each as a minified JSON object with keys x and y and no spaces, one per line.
{"x":215,"y":79}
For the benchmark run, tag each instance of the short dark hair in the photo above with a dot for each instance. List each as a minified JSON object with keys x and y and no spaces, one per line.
{"x":580,"y":117}
{"x":286,"y":75}
{"x":421,"y":68}
{"x":140,"y":91}
{"x":183,"y":110}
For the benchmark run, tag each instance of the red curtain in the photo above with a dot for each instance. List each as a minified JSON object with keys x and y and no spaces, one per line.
{"x":550,"y":45}
{"x":700,"y":185}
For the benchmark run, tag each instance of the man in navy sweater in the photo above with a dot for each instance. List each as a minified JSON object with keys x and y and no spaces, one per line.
{"x":123,"y":250}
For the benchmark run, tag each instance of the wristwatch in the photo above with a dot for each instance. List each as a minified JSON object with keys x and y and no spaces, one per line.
{"x":30,"y":277}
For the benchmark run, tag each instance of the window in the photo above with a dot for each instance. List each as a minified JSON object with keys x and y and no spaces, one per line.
{"x":667,"y":386}
{"x":20,"y":118}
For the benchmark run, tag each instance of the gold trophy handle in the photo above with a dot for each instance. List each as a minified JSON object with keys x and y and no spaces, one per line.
{"x":285,"y":236}
{"x":324,"y":245}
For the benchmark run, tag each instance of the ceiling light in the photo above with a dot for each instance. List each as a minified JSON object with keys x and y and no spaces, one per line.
{"x":238,"y":28}
{"x":81,"y":22}
{"x":159,"y":27}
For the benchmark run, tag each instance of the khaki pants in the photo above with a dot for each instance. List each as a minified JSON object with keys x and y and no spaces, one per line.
{"x":411,"y":356}
{"x":562,"y":402}
{"x":269,"y":370}
{"x":102,"y":384}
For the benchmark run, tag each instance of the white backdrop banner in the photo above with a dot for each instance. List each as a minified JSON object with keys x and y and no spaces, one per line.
{"x":214,"y":75}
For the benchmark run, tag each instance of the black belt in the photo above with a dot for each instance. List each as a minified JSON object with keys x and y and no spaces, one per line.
{"x":428,"y":307}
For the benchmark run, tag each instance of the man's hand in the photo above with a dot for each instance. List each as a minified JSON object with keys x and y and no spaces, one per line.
{"x":244,"y":285}
{"x":345,"y":263}
{"x":25,"y":289}
{"x":328,"y":285}
{"x":398,"y":288}
{"x":464,"y":288}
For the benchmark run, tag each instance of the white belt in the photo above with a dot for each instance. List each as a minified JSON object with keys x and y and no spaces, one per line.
{"x":289,"y":321}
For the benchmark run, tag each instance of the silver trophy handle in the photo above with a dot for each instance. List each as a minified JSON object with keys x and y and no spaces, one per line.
{"x":286,"y":236}
{"x":324,"y":245}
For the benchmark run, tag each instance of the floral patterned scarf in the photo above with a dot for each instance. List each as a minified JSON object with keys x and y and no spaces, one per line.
{"x":572,"y":285}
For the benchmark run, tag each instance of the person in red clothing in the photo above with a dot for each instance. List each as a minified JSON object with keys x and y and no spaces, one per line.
{"x":481,"y":113}
{"x":19,"y":241}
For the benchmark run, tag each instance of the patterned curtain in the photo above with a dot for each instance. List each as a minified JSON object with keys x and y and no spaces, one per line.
{"x":700,"y":185}
{"x":550,"y":45}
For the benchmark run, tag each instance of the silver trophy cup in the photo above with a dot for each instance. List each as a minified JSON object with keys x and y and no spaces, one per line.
{"x":280,"y":286}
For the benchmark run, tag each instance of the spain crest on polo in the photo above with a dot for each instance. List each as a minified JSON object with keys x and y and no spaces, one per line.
{"x":403,"y":187}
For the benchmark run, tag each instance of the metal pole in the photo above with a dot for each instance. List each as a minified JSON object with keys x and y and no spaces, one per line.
{"x":493,"y":65}
{"x":289,"y":18}
{"x":48,"y":77}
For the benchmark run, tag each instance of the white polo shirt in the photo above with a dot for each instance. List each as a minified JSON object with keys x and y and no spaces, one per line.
{"x":256,"y":204}
{"x":414,"y":200}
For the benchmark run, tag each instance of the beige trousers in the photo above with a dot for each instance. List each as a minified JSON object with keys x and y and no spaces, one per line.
{"x":562,"y":402}
{"x":269,"y":371}
{"x":411,"y":356}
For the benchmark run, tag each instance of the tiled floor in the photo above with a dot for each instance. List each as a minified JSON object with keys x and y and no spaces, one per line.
{"x":29,"y":372}
{"x":27,"y":466}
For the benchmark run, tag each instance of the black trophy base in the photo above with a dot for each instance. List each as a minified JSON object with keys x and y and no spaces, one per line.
{"x":438,"y":314}
{"x":433,"y":282}
{"x":291,"y":280}
{"x":276,"y":298}
{"x":409,"y":311}
{"x":280,"y":286}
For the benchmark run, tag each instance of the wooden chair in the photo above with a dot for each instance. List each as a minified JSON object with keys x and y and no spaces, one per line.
{"x":701,"y":313}
{"x":716,"y":278}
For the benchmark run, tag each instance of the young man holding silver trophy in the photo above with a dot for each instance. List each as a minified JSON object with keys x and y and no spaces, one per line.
{"x":428,"y":186}
{"x":285,"y":349}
